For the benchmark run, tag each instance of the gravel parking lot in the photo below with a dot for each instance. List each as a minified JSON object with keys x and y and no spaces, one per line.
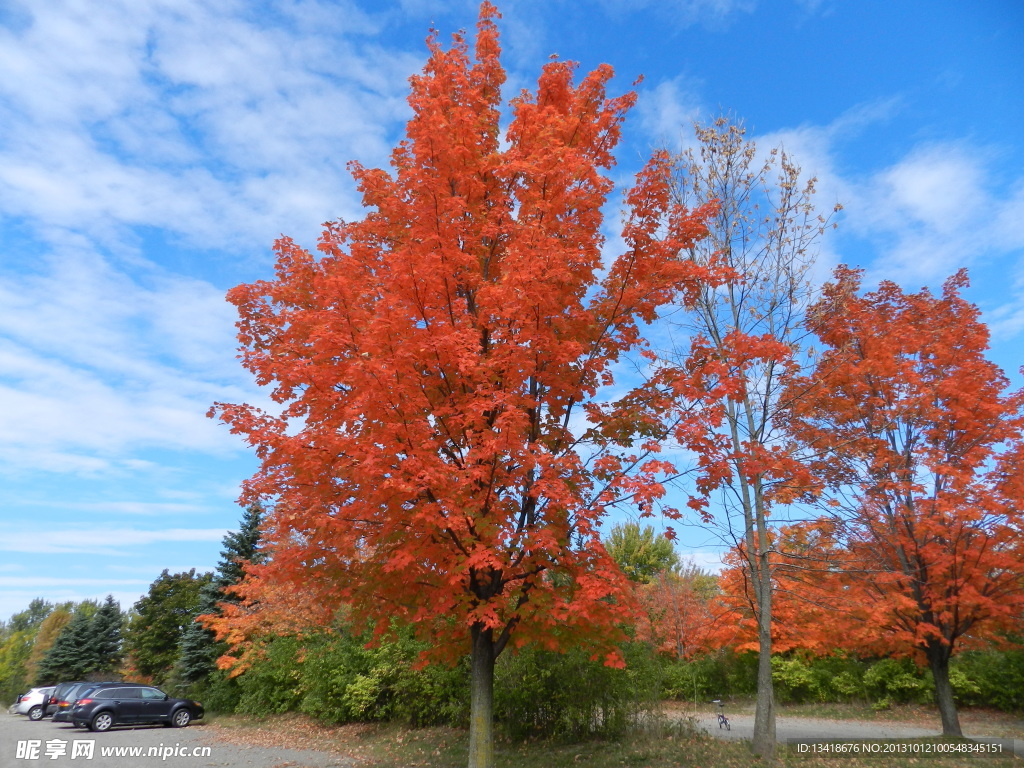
{"x":24,"y":743}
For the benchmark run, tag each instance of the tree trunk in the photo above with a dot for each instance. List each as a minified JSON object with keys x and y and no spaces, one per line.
{"x":764,"y":741}
{"x":938,"y":660}
{"x":481,"y":706}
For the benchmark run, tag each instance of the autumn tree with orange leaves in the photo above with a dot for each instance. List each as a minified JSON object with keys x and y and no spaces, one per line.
{"x":806,"y":565}
{"x":918,"y":445}
{"x":443,"y":454}
{"x":747,"y":336}
{"x":681,"y":615}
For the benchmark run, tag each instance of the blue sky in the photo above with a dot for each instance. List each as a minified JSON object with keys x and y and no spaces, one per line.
{"x":152,"y":150}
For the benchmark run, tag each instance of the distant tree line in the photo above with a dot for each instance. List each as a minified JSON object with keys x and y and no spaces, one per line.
{"x":681,"y":648}
{"x":157,"y":640}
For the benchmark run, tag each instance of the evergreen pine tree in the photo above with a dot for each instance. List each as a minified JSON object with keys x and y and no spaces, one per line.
{"x":106,"y":632}
{"x":199,"y":649}
{"x":70,"y":657}
{"x":240,"y":547}
{"x":198,"y":652}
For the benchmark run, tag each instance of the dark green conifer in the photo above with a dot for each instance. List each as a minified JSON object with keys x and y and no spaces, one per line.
{"x":71,"y":655}
{"x":199,"y":649}
{"x":106,"y":638}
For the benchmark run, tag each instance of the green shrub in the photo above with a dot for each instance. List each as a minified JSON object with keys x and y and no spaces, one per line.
{"x":334,"y":677}
{"x":344,"y":681}
{"x":989,"y":679}
{"x":699,"y":679}
{"x":217,"y":692}
{"x":898,"y":681}
{"x":221,"y":693}
{"x":434,"y":695}
{"x":273,"y":685}
{"x":963,"y":686}
{"x":838,"y":677}
{"x":540,"y":693}
{"x":333,"y":664}
{"x":793,"y":680}
{"x":740,"y":673}
{"x":985,"y":678}
{"x":848,"y":684}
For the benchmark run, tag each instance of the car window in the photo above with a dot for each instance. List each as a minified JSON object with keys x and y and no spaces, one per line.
{"x":153,"y":694}
{"x":106,"y":693}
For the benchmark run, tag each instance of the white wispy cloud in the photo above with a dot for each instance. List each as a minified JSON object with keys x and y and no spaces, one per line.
{"x":927,"y":213}
{"x":100,"y":540}
{"x":939,"y":207}
{"x":218,"y":126}
{"x":666,"y":112}
{"x":202,"y":120}
{"x":135,"y":508}
{"x":94,"y":365}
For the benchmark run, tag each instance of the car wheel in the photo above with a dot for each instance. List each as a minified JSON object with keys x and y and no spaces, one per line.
{"x":101,"y":722}
{"x":181,"y":718}
{"x":36,"y":713}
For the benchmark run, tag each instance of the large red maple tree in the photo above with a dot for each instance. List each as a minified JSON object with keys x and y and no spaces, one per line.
{"x":445,"y":447}
{"x":918,"y":445}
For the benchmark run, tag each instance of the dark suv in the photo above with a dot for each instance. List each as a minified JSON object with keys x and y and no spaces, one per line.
{"x":64,"y":696}
{"x":58,"y":696}
{"x":127,"y":704}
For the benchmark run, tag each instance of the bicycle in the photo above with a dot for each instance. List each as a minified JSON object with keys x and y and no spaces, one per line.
{"x":723,"y":721}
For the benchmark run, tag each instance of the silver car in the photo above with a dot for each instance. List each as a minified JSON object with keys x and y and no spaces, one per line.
{"x":33,"y":703}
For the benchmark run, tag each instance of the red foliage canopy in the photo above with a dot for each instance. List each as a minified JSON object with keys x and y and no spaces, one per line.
{"x":914,"y":431}
{"x":442,"y":456}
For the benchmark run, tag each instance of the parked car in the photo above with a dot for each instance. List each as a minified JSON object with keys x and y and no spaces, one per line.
{"x":130,"y":704}
{"x":58,"y":695}
{"x":63,"y":698}
{"x":33,"y":703}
